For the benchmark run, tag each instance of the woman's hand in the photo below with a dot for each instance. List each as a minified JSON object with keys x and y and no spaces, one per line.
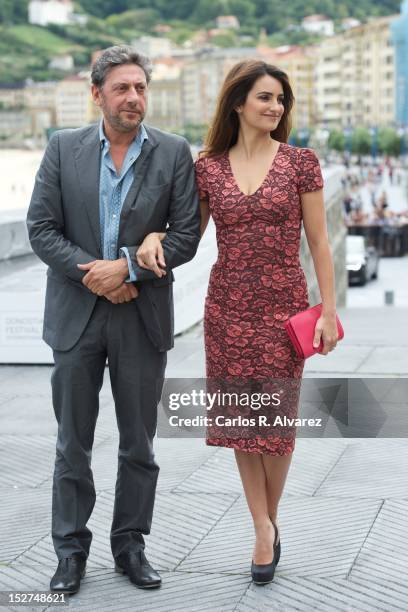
{"x":326,"y":328}
{"x":150,"y":253}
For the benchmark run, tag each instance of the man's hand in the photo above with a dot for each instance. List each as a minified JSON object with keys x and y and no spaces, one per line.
{"x":150,"y":254}
{"x":104,"y":275}
{"x":124,"y":293}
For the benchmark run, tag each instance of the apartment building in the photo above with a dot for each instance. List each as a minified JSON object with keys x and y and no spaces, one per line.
{"x":202,"y":78}
{"x":40,"y":102}
{"x":73,"y":102}
{"x":165,"y":102}
{"x":328,"y":82}
{"x":399,"y":31}
{"x":355,"y":76}
{"x":12,"y":95}
{"x":43,"y":12}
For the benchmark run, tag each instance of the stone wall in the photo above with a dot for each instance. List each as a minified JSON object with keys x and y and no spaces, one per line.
{"x":333,"y":196}
{"x":13,"y":235}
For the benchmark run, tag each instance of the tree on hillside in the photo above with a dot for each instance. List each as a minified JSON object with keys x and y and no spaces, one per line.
{"x":207,"y":10}
{"x":177,"y":9}
{"x":104,"y":8}
{"x":13,"y":11}
{"x":272,"y":14}
{"x":140,"y":19}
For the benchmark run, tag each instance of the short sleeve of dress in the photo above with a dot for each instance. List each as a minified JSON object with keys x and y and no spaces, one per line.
{"x":310,"y":174}
{"x":201,"y":177}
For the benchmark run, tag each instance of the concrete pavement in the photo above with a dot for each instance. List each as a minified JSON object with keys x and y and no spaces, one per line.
{"x":343,"y":515}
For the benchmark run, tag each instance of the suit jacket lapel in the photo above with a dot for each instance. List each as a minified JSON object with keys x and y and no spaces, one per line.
{"x":87,"y":161}
{"x":132,"y":201}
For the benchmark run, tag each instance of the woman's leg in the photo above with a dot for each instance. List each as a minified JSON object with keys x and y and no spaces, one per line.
{"x":252,"y":472}
{"x":276,"y":470}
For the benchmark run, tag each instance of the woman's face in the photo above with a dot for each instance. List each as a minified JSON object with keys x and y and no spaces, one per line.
{"x":263,"y":107}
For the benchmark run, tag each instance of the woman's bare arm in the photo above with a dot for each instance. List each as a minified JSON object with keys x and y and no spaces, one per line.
{"x":150,"y":253}
{"x":205,"y":215}
{"x":314,"y":221}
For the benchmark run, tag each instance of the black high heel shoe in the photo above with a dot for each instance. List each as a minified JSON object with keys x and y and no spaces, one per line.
{"x":265,"y":572}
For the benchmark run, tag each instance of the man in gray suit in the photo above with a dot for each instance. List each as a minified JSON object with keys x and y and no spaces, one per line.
{"x":98,"y":192}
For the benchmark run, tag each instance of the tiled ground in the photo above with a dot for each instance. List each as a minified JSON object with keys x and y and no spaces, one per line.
{"x":343,"y":516}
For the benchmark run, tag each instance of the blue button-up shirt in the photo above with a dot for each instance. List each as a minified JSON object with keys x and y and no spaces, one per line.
{"x":113,"y":189}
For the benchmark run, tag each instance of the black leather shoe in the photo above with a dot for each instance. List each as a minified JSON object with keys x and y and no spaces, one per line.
{"x":67,"y":578}
{"x":265,"y":572}
{"x":139,"y":570}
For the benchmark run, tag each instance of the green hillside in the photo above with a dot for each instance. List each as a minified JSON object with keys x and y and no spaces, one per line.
{"x":40,"y":39}
{"x":26,"y":50}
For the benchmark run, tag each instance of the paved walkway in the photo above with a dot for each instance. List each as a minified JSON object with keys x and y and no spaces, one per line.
{"x":343,"y":516}
{"x":392,"y":276}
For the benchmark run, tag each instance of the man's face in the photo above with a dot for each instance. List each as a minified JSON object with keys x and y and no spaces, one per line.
{"x":123,"y":97}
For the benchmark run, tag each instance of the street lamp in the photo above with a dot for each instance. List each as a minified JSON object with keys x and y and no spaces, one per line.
{"x":374,"y":143}
{"x":347,"y":131}
{"x":303,"y":135}
{"x":402,"y":133}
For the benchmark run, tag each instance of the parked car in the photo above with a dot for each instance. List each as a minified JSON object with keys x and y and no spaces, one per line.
{"x":362,"y":261}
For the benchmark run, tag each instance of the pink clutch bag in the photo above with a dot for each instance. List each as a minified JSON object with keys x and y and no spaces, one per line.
{"x":301,"y":328}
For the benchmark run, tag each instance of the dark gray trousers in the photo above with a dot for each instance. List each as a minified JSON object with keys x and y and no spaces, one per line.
{"x":136,"y":370}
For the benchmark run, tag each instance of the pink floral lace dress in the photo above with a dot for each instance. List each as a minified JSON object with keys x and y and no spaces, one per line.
{"x":256,"y":283}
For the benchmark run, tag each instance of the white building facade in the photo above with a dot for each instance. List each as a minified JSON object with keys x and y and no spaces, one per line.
{"x":43,"y":12}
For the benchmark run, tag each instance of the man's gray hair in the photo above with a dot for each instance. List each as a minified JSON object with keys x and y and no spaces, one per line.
{"x":119,"y":56}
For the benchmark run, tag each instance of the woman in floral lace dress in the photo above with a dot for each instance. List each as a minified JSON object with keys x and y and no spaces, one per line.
{"x":258,"y":190}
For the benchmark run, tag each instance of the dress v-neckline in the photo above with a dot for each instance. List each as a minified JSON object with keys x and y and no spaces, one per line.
{"x":249,"y":195}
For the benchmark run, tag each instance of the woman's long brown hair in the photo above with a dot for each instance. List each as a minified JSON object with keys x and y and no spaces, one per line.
{"x":223,"y":132}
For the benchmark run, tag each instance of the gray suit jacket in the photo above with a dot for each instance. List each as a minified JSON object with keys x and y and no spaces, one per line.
{"x":64,"y":227}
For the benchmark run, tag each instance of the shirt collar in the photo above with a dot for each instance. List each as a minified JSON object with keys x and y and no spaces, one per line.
{"x":140,"y":137}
